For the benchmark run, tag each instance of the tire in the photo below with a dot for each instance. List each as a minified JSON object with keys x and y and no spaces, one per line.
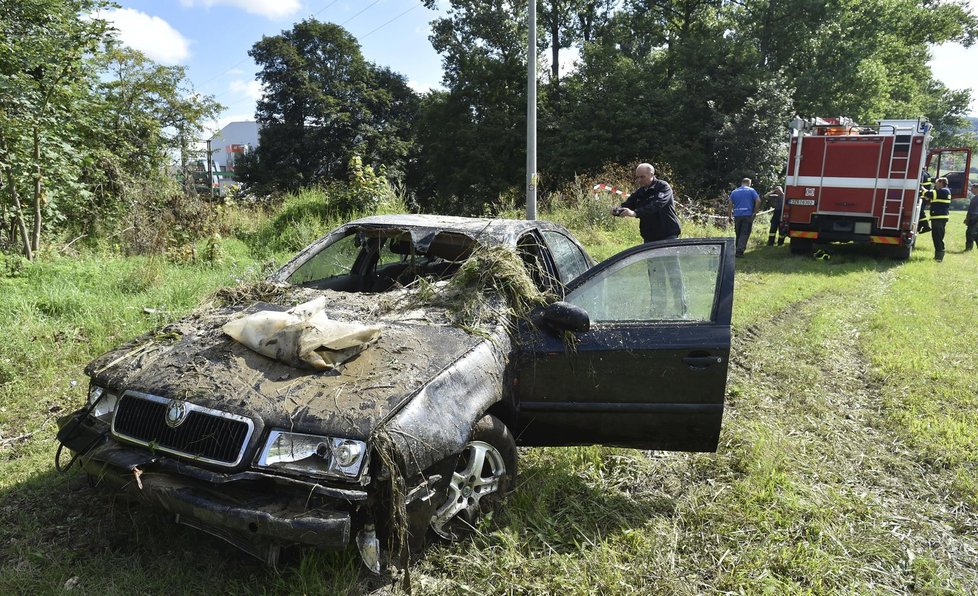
{"x":485,"y":471}
{"x":902,"y":252}
{"x":801,"y":246}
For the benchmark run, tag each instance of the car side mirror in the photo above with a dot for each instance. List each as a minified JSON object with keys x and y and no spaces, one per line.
{"x":564,"y":316}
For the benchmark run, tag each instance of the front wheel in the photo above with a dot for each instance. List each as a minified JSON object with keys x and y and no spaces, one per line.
{"x":484,"y":473}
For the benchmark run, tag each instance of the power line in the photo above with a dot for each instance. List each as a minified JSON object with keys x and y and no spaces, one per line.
{"x":365,"y":9}
{"x":390,"y":21}
{"x":231,"y":68}
{"x":371,"y":32}
{"x":323,"y":9}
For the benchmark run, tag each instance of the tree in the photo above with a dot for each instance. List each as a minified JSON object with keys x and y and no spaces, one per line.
{"x":473,"y":136}
{"x":323,"y":104}
{"x":44,"y":45}
{"x":142,"y":117}
{"x":706,"y":86}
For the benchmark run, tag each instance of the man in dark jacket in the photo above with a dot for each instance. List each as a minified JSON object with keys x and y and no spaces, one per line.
{"x":971,"y":219}
{"x":653,"y":205}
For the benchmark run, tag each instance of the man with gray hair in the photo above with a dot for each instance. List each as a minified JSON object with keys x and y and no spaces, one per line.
{"x":652,"y":203}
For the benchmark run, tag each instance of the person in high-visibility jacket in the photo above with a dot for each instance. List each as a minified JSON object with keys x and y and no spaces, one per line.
{"x":927,"y":194}
{"x":775,"y":199}
{"x":940,"y":209}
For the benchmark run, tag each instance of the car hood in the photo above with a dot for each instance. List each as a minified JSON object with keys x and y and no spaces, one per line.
{"x":193,"y":360}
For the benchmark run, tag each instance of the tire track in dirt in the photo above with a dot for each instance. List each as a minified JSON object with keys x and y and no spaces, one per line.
{"x":819,"y":397}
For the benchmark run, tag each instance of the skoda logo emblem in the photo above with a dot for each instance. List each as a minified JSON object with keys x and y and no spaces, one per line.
{"x":176,"y":413}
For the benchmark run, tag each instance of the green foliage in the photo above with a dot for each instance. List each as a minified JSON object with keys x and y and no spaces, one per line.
{"x":309,"y":214}
{"x":704,"y":85}
{"x":473,"y":136}
{"x":86,"y":128}
{"x":753,"y":142}
{"x":44,"y":78}
{"x":323,"y":104}
{"x":846,"y":461}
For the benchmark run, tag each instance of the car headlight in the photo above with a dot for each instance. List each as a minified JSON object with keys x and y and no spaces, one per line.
{"x":104,"y":402}
{"x":313,"y":454}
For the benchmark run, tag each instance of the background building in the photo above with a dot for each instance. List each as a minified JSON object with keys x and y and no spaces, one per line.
{"x":226,"y":147}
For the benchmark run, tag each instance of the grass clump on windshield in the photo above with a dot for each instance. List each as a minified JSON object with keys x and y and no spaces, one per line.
{"x":492,"y":278}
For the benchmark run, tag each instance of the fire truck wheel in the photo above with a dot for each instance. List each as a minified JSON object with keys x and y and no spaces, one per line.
{"x":901,"y":253}
{"x":801,"y":246}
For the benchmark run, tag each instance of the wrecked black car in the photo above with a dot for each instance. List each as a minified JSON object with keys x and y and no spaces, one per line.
{"x":439,"y":345}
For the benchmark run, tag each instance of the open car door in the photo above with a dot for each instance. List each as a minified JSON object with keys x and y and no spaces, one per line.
{"x":953,"y":163}
{"x":651,"y":370}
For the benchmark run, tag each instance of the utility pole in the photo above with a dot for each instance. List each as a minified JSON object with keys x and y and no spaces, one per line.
{"x":531,"y":114}
{"x":210,"y":169}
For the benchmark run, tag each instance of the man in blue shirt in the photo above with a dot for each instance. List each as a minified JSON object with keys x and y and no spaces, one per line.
{"x":744,"y":203}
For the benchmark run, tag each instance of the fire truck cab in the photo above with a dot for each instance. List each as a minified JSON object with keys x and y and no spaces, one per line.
{"x":852,"y":183}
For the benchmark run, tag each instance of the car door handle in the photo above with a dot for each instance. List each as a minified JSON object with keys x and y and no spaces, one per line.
{"x":702,"y":361}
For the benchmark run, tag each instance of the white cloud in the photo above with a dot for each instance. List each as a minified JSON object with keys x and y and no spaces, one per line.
{"x":273,"y":9}
{"x":419,"y":87}
{"x":250,"y":89}
{"x":150,"y":35}
{"x":569,"y":59}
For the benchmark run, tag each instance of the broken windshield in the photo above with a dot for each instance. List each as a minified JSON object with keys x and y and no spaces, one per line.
{"x":378,"y":259}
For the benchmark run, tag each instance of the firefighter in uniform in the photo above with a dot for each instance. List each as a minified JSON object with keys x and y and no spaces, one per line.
{"x":927,"y":194}
{"x":775,"y":199}
{"x":940,"y":208}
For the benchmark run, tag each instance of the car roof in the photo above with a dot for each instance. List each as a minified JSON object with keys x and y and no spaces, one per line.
{"x":424,"y":227}
{"x":491,"y":231}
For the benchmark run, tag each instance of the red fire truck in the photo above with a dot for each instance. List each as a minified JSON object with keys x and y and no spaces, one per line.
{"x":852,"y":183}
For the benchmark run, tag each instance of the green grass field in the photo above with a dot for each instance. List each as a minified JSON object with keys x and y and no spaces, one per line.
{"x":847,"y":461}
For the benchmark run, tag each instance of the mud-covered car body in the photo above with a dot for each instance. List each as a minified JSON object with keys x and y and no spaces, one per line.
{"x":264,"y":454}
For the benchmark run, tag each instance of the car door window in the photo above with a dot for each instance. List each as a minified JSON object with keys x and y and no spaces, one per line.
{"x":672,"y":283}
{"x":333,"y":260}
{"x":568,"y":257}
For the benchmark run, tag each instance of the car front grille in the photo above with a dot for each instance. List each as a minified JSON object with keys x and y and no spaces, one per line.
{"x":203,"y":434}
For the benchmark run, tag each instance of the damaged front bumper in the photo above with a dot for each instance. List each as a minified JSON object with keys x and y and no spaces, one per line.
{"x":256,"y":512}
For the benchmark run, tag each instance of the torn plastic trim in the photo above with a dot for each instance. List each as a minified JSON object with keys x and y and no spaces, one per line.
{"x":328,"y":529}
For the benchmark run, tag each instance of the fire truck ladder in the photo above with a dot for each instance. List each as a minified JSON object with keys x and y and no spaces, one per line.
{"x":900,"y":169}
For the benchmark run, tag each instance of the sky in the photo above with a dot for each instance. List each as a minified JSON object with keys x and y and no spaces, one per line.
{"x":956,"y":67}
{"x":211,"y":38}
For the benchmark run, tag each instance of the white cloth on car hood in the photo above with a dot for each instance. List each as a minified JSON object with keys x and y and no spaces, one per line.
{"x":303,"y":336}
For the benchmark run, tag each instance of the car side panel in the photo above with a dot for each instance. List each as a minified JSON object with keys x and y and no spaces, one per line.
{"x":611,"y":390}
{"x":648,"y":384}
